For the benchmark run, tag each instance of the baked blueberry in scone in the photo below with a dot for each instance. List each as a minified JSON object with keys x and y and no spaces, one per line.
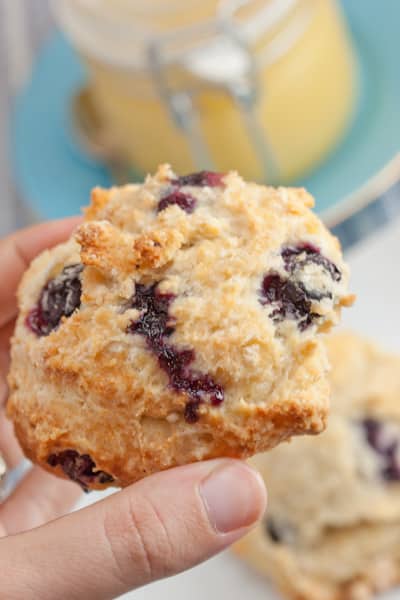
{"x":181,"y":322}
{"x":333,"y":525}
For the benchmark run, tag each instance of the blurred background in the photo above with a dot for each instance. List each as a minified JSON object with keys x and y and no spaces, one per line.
{"x":302,"y":92}
{"x":25,"y":26}
{"x":287,"y":91}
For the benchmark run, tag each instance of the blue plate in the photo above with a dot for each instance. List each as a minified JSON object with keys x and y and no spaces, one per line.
{"x":55,"y":176}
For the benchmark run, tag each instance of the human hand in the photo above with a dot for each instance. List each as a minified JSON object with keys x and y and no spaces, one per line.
{"x":158,"y":527}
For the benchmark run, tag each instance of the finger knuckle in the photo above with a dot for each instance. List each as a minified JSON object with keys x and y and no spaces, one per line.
{"x":139,"y":542}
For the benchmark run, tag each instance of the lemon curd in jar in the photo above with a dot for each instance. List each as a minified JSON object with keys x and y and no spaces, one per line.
{"x":264,"y":87}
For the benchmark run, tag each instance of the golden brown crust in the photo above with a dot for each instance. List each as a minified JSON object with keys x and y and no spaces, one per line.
{"x":99,"y":198}
{"x":94,"y":386}
{"x":158,"y":443}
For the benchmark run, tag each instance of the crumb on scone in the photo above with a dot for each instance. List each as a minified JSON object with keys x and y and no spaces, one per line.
{"x":332,"y":528}
{"x":181,"y":322}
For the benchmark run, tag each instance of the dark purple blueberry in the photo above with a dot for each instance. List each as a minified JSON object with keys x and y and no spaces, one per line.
{"x":392,"y":471}
{"x":198,"y":386}
{"x":289,"y":296}
{"x":289,"y":300}
{"x":280,"y":532}
{"x":60,"y":297}
{"x":191,"y":412}
{"x":372,"y":429}
{"x":79,"y":468}
{"x":297,"y":257}
{"x":184,"y":201}
{"x":200,"y":179}
{"x":273,"y":531}
{"x":154,"y":322}
{"x":387,"y":446}
{"x":175,"y":362}
{"x":156,"y":326}
{"x":36,"y":323}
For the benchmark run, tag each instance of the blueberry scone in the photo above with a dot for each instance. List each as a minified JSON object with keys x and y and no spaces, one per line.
{"x":180,"y":322}
{"x":333,"y":525}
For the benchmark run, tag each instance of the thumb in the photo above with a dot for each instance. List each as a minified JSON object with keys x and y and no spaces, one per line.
{"x":158,"y":527}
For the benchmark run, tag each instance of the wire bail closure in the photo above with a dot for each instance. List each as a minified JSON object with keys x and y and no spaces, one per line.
{"x":240,"y":82}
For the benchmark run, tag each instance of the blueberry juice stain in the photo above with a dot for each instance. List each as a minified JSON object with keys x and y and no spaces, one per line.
{"x":156,"y":325}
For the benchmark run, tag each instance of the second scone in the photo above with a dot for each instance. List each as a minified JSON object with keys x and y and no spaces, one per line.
{"x":179,"y":323}
{"x":332,"y":528}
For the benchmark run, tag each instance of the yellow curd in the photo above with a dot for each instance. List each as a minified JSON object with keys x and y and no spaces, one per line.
{"x":264,"y":87}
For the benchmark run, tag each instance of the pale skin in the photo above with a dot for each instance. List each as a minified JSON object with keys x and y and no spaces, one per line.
{"x":158,"y":527}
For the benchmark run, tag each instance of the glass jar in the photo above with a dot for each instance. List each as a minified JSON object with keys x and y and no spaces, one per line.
{"x":266,"y":87}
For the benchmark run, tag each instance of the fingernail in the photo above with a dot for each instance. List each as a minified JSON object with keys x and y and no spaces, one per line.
{"x":234,"y":496}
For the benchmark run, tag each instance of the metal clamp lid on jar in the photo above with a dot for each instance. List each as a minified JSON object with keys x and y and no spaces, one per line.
{"x":218,"y":53}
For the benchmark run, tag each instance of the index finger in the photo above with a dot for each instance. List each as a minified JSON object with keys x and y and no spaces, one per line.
{"x":16,"y":253}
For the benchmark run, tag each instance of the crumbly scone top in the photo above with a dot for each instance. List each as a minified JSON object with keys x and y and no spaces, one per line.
{"x":223,"y":281}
